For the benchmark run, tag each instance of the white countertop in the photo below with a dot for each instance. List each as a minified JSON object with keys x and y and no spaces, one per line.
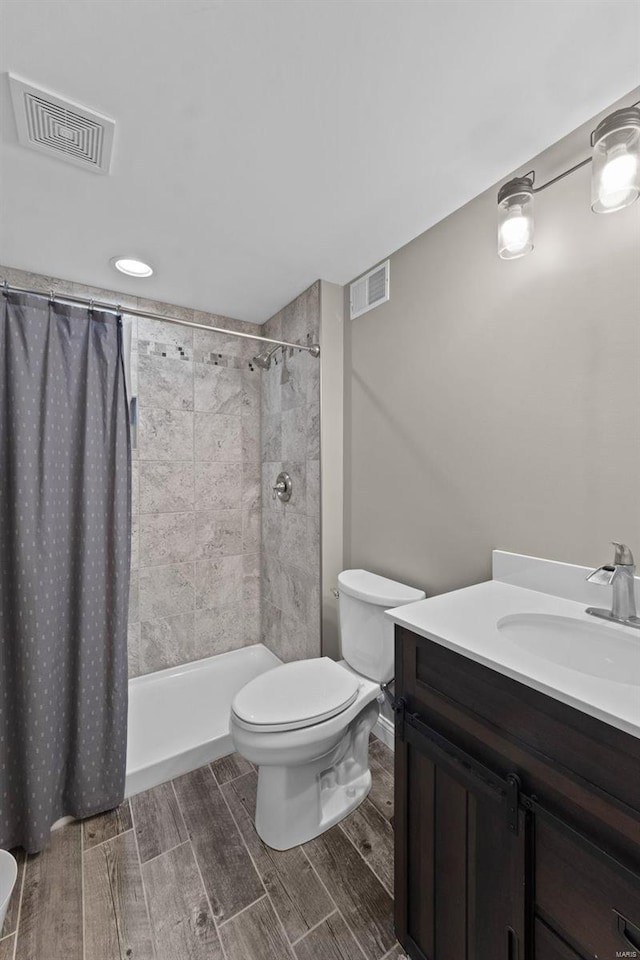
{"x":465,"y":621}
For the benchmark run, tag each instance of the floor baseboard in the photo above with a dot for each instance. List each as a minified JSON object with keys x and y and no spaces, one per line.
{"x":384,"y":731}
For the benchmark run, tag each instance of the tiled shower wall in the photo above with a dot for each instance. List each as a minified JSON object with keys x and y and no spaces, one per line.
{"x":291,"y":442}
{"x":195,"y":583}
{"x":198,"y":520}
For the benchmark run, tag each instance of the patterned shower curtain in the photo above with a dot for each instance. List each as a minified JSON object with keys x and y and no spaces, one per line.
{"x":65,"y":516}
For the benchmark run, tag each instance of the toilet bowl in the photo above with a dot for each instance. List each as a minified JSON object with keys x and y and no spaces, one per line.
{"x":306,"y":724}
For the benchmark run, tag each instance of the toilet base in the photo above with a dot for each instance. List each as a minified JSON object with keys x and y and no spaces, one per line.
{"x":297,"y":803}
{"x":338,"y":801}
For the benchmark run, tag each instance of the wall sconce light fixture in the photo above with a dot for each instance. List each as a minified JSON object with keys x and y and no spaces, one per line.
{"x":615,"y":181}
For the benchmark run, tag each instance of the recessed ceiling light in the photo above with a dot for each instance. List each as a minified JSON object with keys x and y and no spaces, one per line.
{"x":132,"y":267}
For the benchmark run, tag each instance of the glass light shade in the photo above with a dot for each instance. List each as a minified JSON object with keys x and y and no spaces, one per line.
{"x":132,"y":267}
{"x":615,"y":176}
{"x":515,"y":222}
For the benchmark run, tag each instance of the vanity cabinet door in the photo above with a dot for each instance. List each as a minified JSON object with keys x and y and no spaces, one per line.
{"x":460,"y":870}
{"x":590,"y":899}
{"x":550,"y":947}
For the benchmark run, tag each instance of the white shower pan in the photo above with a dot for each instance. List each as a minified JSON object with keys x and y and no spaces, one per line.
{"x":179,"y":718}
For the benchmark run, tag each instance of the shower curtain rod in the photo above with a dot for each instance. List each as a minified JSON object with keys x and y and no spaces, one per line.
{"x":313,"y":348}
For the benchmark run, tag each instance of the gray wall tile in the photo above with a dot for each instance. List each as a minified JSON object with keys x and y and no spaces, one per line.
{"x":218,"y":486}
{"x":251,"y":483}
{"x":296,"y":587}
{"x":293,"y":544}
{"x":218,"y":389}
{"x":218,"y":437}
{"x":135,"y":486}
{"x":252,"y":613}
{"x":166,"y":642}
{"x":166,"y":487}
{"x":166,"y":538}
{"x":206,"y":341}
{"x":298,"y":366}
{"x":271,"y":532}
{"x":313,"y":546}
{"x":271,"y":435}
{"x":219,"y":534}
{"x":135,"y":541}
{"x":313,"y":431}
{"x":294,"y":434}
{"x":270,"y":471}
{"x":169,"y":334}
{"x":166,"y":590}
{"x":165,"y":382}
{"x":251,"y":575}
{"x":251,"y":529}
{"x":134,"y":598}
{"x":250,"y":438}
{"x":298,"y":642}
{"x":271,"y":580}
{"x":219,"y":629}
{"x":133,"y":649}
{"x":251,"y":380}
{"x":290,"y":568}
{"x":219,"y":582}
{"x":298,"y":473}
{"x":165,"y":434}
{"x":313,"y":487}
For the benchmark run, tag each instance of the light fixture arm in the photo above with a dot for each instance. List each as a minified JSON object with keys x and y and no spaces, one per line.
{"x":561,"y":176}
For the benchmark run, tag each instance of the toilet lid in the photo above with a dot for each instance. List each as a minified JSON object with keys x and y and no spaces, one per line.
{"x":296,"y":694}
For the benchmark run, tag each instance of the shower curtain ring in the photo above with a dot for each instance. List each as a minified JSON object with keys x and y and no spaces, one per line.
{"x":91,"y":303}
{"x":5,"y":288}
{"x":52,"y":298}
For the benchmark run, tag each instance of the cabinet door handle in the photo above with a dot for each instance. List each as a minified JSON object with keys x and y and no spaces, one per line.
{"x":629,"y":932}
{"x":513,"y":952}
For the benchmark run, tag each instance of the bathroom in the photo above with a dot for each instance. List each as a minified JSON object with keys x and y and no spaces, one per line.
{"x":319,"y":472}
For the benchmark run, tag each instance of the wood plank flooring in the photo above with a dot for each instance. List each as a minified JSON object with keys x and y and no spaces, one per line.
{"x":50,"y":923}
{"x":179,"y":873}
{"x":115,"y":910}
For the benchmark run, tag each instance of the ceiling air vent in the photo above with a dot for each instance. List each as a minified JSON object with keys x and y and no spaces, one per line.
{"x":60,"y":128}
{"x":370,"y":291}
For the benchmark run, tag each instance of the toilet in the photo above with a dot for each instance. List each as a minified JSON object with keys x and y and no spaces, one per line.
{"x":306,"y":724}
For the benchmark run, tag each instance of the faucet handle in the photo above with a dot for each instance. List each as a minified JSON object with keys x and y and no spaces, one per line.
{"x":623,"y":556}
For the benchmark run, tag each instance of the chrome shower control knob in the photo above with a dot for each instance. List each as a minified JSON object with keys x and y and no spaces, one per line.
{"x":282,"y":487}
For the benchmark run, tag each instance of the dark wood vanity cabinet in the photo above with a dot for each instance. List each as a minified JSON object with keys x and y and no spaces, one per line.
{"x":517,"y":818}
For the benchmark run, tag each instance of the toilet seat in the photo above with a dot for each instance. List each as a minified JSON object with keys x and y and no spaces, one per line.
{"x":295,"y":695}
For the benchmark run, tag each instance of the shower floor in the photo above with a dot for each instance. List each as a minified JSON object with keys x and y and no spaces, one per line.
{"x":179,"y":718}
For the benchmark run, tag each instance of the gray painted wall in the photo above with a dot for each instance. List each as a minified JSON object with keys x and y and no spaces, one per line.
{"x":497,"y":404}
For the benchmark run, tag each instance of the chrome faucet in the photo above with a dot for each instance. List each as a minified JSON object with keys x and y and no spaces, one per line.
{"x":621,"y":576}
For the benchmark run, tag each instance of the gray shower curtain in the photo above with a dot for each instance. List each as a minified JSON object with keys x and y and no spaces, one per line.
{"x":65,"y":479}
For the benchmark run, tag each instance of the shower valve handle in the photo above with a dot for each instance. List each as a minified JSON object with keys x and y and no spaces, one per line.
{"x":282,"y":488}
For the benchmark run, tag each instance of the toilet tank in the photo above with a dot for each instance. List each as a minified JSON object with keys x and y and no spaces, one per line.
{"x":366,"y":634}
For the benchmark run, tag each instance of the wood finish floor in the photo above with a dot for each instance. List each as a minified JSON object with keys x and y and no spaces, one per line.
{"x":179,"y":873}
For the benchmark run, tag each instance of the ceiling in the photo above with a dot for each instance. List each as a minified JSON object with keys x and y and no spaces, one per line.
{"x":262,"y":144}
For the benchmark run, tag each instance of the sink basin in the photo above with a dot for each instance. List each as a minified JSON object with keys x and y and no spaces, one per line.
{"x":588,"y":648}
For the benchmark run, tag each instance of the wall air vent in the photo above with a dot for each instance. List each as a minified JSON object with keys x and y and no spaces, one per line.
{"x":60,"y":128}
{"x":370,"y":291}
